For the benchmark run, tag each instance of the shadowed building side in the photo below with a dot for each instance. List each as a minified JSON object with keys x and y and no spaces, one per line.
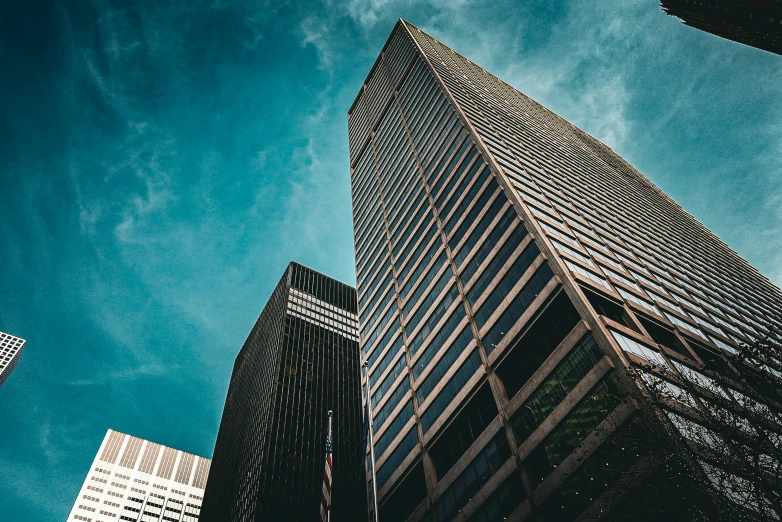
{"x":757,"y":23}
{"x":300,"y":360}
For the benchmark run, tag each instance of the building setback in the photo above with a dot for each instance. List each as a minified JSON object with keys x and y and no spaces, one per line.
{"x":10,"y":352}
{"x":300,"y":360}
{"x":137,"y":480}
{"x":757,"y":23}
{"x":510,"y":270}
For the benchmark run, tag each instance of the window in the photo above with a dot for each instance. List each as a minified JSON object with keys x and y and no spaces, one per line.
{"x":553,"y":390}
{"x":397,"y":456}
{"x":480,"y":229}
{"x":441,"y":192}
{"x":574,"y":428}
{"x":637,"y":300}
{"x":424,"y":285}
{"x":587,"y":274}
{"x":443,"y":365}
{"x":517,"y":307}
{"x":463,"y":430}
{"x":435,"y":316}
{"x":411,"y":321}
{"x":502,"y":502}
{"x":572,"y":252}
{"x":420,"y":266}
{"x":514,"y":274}
{"x":400,"y":504}
{"x":438,"y":340}
{"x":391,"y":404}
{"x":537,"y":343}
{"x":514,"y":240}
{"x":387,"y":358}
{"x":446,"y":208}
{"x":469,"y":217}
{"x":405,"y":255}
{"x":398,"y":422}
{"x":632,"y":346}
{"x":450,"y":390}
{"x":475,"y":475}
{"x":390,"y":379}
{"x":606,"y":307}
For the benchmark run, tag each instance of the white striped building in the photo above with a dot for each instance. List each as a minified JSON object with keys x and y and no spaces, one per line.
{"x":10,"y":352}
{"x":136,"y":480}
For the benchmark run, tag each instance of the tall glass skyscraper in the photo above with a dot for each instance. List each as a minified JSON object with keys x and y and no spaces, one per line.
{"x":510,"y":269}
{"x":300,"y":360}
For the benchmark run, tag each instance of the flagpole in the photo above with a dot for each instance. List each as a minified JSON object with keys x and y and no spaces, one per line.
{"x":371,"y":444}
{"x":328,"y":513}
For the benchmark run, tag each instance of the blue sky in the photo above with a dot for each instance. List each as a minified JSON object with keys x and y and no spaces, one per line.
{"x":161,"y":163}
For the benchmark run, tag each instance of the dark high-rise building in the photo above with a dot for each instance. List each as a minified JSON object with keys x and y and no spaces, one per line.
{"x":752,"y":22}
{"x":300,"y":360}
{"x":512,"y":272}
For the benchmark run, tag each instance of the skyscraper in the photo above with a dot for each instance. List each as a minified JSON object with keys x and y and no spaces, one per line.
{"x":137,"y":480}
{"x":757,"y":23}
{"x":10,"y":352}
{"x":511,"y":272}
{"x":300,"y":360}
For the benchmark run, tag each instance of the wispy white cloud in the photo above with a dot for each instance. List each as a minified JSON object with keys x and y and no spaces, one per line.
{"x":366,"y":13}
{"x":318,"y":32}
{"x":125,"y":373}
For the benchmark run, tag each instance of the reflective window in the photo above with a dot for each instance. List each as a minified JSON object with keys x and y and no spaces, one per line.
{"x":482,"y":226}
{"x":553,"y":390}
{"x":397,"y":423}
{"x":450,"y":390}
{"x":476,"y":474}
{"x":439,"y":339}
{"x":443,"y":365}
{"x":436,"y":315}
{"x":506,"y":284}
{"x":425,"y":303}
{"x":517,"y":308}
{"x":397,"y":456}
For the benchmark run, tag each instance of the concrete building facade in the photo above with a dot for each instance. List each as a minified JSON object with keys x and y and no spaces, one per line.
{"x":10,"y":352}
{"x":133,"y":479}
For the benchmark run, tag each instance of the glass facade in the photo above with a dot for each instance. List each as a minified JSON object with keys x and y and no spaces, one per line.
{"x":511,"y":246}
{"x":300,"y":360}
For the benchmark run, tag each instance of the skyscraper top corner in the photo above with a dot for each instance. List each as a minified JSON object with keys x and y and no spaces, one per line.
{"x":322,"y":286}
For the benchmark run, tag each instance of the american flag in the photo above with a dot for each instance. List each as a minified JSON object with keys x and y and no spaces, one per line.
{"x":325,"y":498}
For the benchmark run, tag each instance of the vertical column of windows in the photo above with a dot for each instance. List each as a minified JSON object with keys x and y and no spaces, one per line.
{"x":372,"y":325}
{"x":415,"y":243}
{"x":405,"y":206}
{"x":460,"y":190}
